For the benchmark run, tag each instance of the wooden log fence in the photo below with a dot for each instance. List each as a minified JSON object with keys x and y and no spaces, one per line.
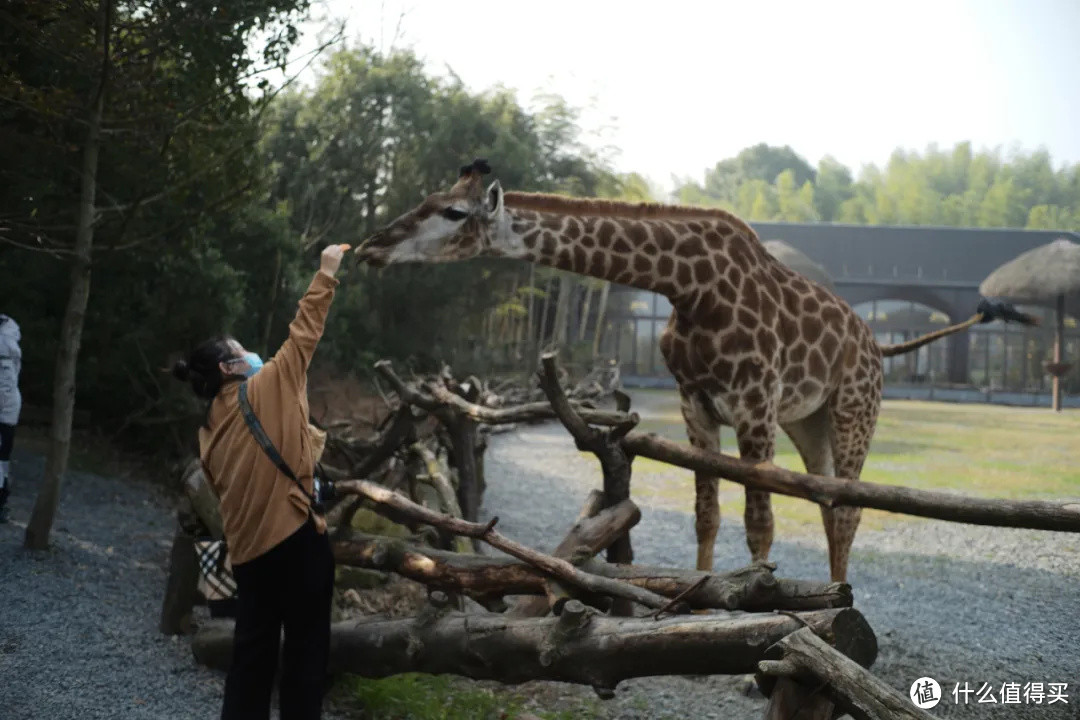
{"x":808,"y":647}
{"x":832,"y":492}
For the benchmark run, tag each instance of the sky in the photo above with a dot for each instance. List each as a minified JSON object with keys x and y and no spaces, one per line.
{"x":677,"y":85}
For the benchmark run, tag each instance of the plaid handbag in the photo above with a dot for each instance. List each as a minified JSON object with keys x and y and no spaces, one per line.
{"x":216,"y":580}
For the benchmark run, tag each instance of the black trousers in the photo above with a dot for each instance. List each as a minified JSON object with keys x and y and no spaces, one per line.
{"x":7,"y":442}
{"x":288,"y":587}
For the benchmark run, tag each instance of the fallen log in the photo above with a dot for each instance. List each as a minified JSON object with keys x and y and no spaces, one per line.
{"x":753,"y":588}
{"x":398,"y":504}
{"x":529,"y":412}
{"x":443,"y":488}
{"x":483,"y":578}
{"x":462,"y":430}
{"x":593,"y":531}
{"x":400,"y":430}
{"x":831,"y":492}
{"x":203,"y":499}
{"x":477,"y":576}
{"x":808,"y":659}
{"x":369,"y":458}
{"x":180,"y":585}
{"x":792,"y":699}
{"x":578,"y":646}
{"x":615,"y":465}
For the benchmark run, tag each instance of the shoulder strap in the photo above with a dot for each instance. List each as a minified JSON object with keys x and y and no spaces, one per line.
{"x":264,"y":440}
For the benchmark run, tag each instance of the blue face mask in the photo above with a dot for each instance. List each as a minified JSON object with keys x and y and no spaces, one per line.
{"x":254,"y":363}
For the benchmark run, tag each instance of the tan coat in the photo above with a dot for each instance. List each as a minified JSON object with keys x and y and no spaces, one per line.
{"x":260,"y":506}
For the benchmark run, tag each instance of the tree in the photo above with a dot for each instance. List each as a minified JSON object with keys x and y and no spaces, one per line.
{"x":796,"y":204}
{"x":832,"y":188}
{"x":759,"y":162}
{"x":1051,"y":217}
{"x":146,"y":94}
{"x":938,"y":187}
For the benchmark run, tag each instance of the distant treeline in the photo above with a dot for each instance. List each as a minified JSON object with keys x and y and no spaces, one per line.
{"x":957,"y":187}
{"x":211,"y":209}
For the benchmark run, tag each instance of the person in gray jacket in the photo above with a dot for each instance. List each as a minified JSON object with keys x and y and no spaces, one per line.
{"x":10,"y":402}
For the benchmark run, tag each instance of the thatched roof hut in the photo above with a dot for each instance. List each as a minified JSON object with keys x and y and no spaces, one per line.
{"x":1048,"y":276}
{"x":1039,"y":277}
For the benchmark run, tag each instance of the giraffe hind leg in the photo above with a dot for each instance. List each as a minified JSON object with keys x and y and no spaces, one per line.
{"x":703,"y":432}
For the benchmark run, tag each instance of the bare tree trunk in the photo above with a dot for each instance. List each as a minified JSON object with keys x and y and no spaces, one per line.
{"x":268,"y":321}
{"x":41,"y":519}
{"x":583,"y":325}
{"x":541,"y":333}
{"x":545,"y":310}
{"x":519,"y":336}
{"x":508,"y":321}
{"x":562,"y":310}
{"x":601,"y":310}
{"x":530,"y":315}
{"x":485,"y":330}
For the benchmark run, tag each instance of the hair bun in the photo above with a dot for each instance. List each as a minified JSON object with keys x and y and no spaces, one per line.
{"x":181,"y":371}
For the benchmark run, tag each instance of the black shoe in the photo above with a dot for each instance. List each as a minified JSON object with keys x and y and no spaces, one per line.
{"x":3,"y":514}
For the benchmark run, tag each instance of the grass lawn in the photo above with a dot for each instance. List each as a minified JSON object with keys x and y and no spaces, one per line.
{"x":985,"y":450}
{"x":441,"y":697}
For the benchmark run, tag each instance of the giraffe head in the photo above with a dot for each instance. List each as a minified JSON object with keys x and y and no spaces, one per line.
{"x":465,"y":221}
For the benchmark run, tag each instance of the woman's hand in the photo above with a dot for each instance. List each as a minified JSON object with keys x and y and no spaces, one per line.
{"x":331,"y":258}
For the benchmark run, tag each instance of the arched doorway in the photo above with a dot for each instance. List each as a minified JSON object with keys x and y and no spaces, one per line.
{"x":895,"y":321}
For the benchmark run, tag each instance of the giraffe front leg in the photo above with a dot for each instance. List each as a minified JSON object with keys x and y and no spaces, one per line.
{"x":756,"y":444}
{"x":706,"y":518}
{"x":704,"y":433}
{"x":758,"y":517}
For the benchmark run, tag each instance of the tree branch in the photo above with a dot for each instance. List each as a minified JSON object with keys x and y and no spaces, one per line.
{"x":561,"y":569}
{"x":488,"y":416}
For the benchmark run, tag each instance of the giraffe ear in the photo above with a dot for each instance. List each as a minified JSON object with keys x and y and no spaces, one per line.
{"x":493,"y":202}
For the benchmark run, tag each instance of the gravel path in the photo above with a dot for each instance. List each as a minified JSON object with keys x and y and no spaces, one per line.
{"x":954,"y":602}
{"x":78,"y":622}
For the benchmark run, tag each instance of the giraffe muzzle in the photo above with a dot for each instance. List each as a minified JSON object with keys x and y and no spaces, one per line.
{"x":371,"y":252}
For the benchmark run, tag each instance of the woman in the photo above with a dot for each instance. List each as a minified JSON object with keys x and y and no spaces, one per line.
{"x":10,"y":403}
{"x":278,"y":547}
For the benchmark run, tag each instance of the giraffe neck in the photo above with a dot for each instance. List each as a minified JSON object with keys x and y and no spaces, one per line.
{"x":676,"y":257}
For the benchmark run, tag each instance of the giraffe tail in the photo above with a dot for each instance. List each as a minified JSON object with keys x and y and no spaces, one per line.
{"x":987,"y":311}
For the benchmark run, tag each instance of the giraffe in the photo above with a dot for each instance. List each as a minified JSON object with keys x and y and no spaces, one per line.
{"x":751,"y":343}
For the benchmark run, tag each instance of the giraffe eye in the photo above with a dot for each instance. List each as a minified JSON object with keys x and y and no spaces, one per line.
{"x":454,"y":215}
